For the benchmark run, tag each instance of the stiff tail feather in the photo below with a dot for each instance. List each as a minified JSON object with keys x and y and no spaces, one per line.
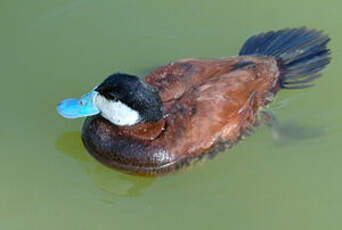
{"x":301,"y":54}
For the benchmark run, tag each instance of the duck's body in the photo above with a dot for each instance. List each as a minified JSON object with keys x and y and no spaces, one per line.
{"x":207,"y":104}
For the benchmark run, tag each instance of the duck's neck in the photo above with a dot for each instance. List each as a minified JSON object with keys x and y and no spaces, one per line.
{"x":144,"y":131}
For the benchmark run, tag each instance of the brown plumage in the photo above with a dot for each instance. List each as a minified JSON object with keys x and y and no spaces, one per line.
{"x":208,"y":104}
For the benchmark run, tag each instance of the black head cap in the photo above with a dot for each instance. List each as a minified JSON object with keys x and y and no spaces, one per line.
{"x":134,"y":93}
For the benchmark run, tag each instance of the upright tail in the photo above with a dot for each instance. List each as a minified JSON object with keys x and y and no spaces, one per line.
{"x":301,"y":54}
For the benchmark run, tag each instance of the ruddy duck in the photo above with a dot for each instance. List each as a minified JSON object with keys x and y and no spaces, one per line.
{"x":191,"y":109}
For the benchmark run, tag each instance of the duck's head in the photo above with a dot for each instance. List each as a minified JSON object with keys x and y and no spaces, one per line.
{"x":122,"y":99}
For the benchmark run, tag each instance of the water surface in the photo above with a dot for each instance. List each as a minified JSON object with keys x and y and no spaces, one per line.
{"x":55,"y":49}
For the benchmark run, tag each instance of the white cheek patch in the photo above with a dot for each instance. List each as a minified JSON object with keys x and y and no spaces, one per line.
{"x":116,"y":112}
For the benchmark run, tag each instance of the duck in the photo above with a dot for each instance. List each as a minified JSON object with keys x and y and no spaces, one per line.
{"x":189,"y":110}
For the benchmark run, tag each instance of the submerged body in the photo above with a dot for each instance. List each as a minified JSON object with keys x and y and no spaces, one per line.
{"x":207,"y":104}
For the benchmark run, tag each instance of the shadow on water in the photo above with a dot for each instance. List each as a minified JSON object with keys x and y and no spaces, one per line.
{"x":107,"y":180}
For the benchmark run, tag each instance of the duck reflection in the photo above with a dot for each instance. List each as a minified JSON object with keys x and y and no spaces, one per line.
{"x":107,"y":180}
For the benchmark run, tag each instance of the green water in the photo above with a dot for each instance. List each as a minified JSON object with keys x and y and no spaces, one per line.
{"x":55,"y":49}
